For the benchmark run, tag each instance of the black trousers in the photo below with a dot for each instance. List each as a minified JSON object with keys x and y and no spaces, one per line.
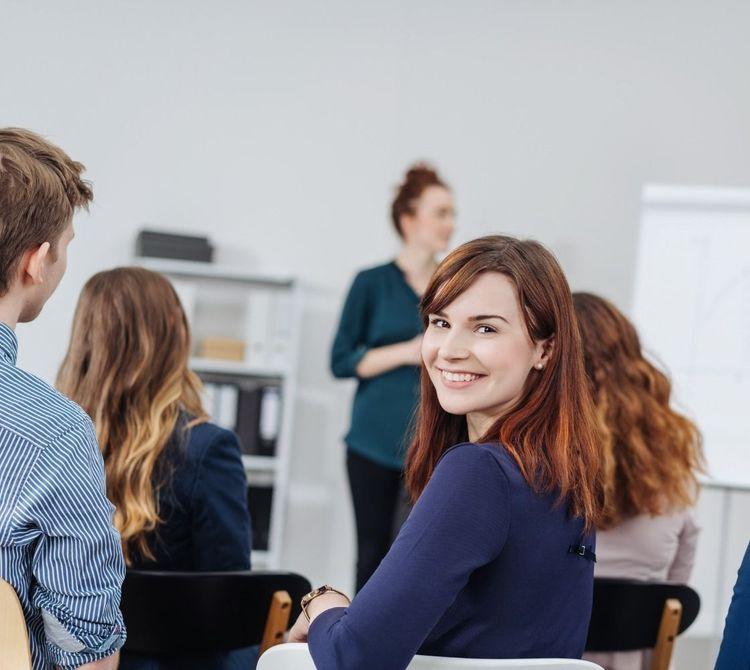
{"x":380,"y":507}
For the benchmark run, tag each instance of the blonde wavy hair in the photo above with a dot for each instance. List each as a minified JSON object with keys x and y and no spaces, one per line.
{"x":651,"y":452}
{"x":127,"y":367}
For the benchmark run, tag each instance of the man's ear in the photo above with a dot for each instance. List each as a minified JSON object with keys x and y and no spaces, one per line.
{"x":34,"y":263}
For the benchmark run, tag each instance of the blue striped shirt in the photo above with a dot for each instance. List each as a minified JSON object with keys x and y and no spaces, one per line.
{"x":57,"y":545}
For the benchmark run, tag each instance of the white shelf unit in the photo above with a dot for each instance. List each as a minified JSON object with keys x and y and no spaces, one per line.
{"x":212,"y":296}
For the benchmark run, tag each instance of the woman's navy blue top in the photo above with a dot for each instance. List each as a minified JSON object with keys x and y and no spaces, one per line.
{"x":380,"y":309}
{"x":206,"y":527}
{"x":481,"y":569}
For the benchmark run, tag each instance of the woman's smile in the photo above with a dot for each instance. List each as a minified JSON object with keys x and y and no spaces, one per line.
{"x":455,"y":379}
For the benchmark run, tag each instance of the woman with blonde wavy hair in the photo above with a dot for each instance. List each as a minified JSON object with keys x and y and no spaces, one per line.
{"x":176,"y":480}
{"x":651,"y":457}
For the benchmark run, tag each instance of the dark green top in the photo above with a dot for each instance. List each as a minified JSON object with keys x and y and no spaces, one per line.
{"x":381,"y":309}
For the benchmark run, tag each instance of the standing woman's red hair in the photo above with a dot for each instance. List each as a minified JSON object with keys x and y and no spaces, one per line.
{"x":496,"y":559}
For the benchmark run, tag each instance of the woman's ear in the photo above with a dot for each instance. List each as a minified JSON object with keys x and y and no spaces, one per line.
{"x":544,"y":349}
{"x":407,"y":225}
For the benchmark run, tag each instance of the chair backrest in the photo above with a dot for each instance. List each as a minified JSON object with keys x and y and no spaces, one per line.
{"x":182,"y":612}
{"x":297,"y":657}
{"x":627,"y":613}
{"x":439,"y":663}
{"x":15,"y":653}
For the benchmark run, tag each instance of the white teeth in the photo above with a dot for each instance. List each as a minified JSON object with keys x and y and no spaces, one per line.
{"x":458,"y":377}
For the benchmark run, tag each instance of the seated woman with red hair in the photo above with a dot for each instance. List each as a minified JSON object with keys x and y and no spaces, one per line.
{"x":496,"y":559}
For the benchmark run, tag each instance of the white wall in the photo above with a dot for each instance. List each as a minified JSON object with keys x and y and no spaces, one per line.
{"x":280,"y":129}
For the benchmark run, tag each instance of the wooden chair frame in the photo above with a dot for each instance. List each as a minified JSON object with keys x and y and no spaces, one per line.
{"x":277,"y":621}
{"x":668,"y":629}
{"x":15,"y":653}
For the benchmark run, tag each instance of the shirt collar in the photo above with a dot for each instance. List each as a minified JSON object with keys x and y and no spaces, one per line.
{"x":8,"y":343}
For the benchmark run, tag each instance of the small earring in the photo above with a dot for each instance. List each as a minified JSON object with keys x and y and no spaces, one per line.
{"x":539,"y":366}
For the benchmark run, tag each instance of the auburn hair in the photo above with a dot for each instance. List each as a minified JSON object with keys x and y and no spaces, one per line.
{"x":40,"y":188}
{"x":418,"y":178}
{"x":551,"y":431}
{"x":127,"y":367}
{"x":651,"y":453}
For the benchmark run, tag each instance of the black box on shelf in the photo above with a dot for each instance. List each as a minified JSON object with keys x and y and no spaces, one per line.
{"x":156,"y":244}
{"x":259,"y":499}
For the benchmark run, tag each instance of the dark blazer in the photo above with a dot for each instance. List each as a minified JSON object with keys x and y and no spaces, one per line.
{"x":206,"y":524}
{"x":203,"y":504}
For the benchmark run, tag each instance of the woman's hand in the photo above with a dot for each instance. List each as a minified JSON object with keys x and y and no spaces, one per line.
{"x":413,"y":350}
{"x":317,"y":606}
{"x":298,"y":632}
{"x":389,"y":357}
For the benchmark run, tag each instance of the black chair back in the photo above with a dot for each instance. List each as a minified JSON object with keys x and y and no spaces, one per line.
{"x":627,"y":613}
{"x":178,"y":612}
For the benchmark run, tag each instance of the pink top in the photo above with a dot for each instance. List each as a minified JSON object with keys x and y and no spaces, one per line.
{"x":658,"y":548}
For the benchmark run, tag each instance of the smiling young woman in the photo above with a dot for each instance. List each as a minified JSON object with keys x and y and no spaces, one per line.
{"x":531,"y":391}
{"x":496,"y":559}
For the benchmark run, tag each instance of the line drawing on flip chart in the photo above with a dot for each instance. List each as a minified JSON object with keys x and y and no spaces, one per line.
{"x":692,"y":309}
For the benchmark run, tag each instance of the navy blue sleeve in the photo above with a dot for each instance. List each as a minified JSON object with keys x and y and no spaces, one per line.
{"x":349,"y":345}
{"x":459,"y":524}
{"x":734,"y":653}
{"x":222,"y":535}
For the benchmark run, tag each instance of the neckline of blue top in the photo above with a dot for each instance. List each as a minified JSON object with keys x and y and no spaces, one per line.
{"x":402,"y":276}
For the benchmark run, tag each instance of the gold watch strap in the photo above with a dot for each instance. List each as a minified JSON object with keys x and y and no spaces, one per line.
{"x":307,"y":599}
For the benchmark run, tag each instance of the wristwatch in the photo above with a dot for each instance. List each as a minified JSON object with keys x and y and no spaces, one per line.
{"x":307,"y":599}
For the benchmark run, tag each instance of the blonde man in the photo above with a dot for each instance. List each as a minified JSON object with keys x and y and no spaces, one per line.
{"x":58,"y":547}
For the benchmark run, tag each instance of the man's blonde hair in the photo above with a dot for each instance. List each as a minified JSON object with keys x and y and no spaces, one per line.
{"x":40,"y":188}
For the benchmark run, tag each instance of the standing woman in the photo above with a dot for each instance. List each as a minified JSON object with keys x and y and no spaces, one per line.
{"x":176,"y":480}
{"x":496,"y":560}
{"x":651,"y":457}
{"x":378,"y":341}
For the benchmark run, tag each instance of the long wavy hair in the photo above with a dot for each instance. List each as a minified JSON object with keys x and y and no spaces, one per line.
{"x":651,"y":453}
{"x":127,"y":367}
{"x":551,"y":431}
